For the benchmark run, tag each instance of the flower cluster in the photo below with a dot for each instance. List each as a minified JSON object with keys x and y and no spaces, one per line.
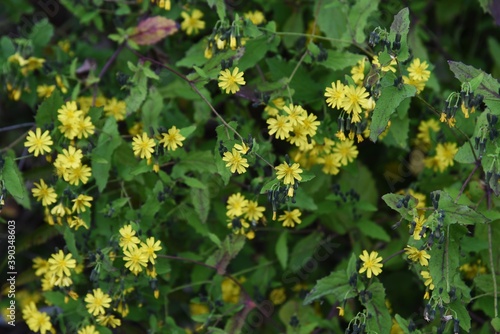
{"x":418,"y":74}
{"x":443,"y":158}
{"x":37,"y":321}
{"x":240,"y":212}
{"x":137,"y":254}
{"x":144,"y":147}
{"x":57,"y":271}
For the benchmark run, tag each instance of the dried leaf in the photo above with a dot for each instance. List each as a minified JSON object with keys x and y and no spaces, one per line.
{"x":153,"y":30}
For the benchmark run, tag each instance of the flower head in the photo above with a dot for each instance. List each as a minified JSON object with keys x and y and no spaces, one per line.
{"x":116,"y":109}
{"x":143,"y":146}
{"x":150,"y":247}
{"x":290,"y":218}
{"x":97,"y":301}
{"x":38,"y":142}
{"x":172,"y":139}
{"x":371,"y":264}
{"x":253,"y":211}
{"x":335,"y":95}
{"x":231,"y":81}
{"x":416,"y":255}
{"x":418,"y":70}
{"x":288,"y":173}
{"x":136,"y":259}
{"x":81,"y":202}
{"x":192,"y":23}
{"x":280,"y":126}
{"x":236,"y":205}
{"x":128,"y":240}
{"x":235,"y":161}
{"x":355,"y":98}
{"x":44,"y":193}
{"x":61,"y":263}
{"x":345,"y":151}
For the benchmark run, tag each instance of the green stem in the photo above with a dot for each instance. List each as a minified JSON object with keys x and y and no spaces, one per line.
{"x":492,"y":267}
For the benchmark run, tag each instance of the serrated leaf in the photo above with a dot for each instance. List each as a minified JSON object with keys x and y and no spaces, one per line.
{"x":282,"y":249}
{"x":386,"y":105}
{"x":201,"y":202}
{"x":395,"y":202}
{"x":338,"y":60}
{"x":401,"y":26}
{"x":47,"y":111}
{"x":153,"y":29}
{"x":457,"y":213}
{"x":14,"y":184}
{"x":304,"y":250}
{"x":379,"y":318}
{"x":336,"y":284}
{"x":152,"y":109}
{"x":230,"y":247}
{"x":42,"y":33}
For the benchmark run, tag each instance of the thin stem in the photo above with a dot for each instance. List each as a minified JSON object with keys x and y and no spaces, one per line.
{"x":393,"y":255}
{"x":14,"y":143}
{"x":105,"y":69}
{"x":181,"y":287}
{"x":492,"y":267}
{"x":467,"y":181}
{"x":16,"y":126}
{"x":481,"y":295}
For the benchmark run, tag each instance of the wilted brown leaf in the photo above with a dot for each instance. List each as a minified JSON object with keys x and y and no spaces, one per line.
{"x":153,"y":30}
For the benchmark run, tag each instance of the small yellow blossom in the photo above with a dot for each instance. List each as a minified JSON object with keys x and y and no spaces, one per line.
{"x":38,"y":143}
{"x":231,"y":81}
{"x":143,"y":146}
{"x":192,"y":23}
{"x":290,"y":218}
{"x":288,"y":173}
{"x":371,"y":264}
{"x":172,"y":139}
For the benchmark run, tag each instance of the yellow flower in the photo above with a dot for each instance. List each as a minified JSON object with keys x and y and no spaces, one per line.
{"x":274,"y":106}
{"x":89,"y":329}
{"x":128,"y":240}
{"x":97,"y":302}
{"x":428,"y":279}
{"x":243,"y":148}
{"x":43,"y":193}
{"x":17,"y":58}
{"x":341,"y":311}
{"x":385,"y":68}
{"x":418,"y":84}
{"x":355,"y":98}
{"x":76,"y":222}
{"x":371,"y":264}
{"x":38,"y":142}
{"x":253,"y":211}
{"x":14,"y":93}
{"x":335,"y":95}
{"x":446,"y":152}
{"x":41,"y":266}
{"x":32,"y":64}
{"x":115,"y":108}
{"x":150,"y":247}
{"x":60,"y":264}
{"x":165,"y":4}
{"x":345,"y":151}
{"x":192,"y":23}
{"x":416,"y":255}
{"x":84,"y":127}
{"x":61,"y":85}
{"x":277,"y":296}
{"x":235,"y":161}
{"x":230,"y":291}
{"x":45,"y":91}
{"x":310,"y":125}
{"x":196,"y":309}
{"x":136,"y":259}
{"x":280,"y":126}
{"x":290,"y":218}
{"x":231,"y":82}
{"x":331,"y":164}
{"x":81,"y":202}
{"x":257,"y":17}
{"x":418,"y":70}
{"x":419,"y":225}
{"x":358,"y":72}
{"x":143,"y":146}
{"x":236,"y":205}
{"x":424,"y":132}
{"x":172,"y":139}
{"x":238,"y":225}
{"x":296,"y":114}
{"x":71,"y":157}
{"x":79,"y":174}
{"x":37,"y":321}
{"x":288,"y":173}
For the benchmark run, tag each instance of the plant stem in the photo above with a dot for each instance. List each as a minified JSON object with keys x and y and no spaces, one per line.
{"x":492,"y":268}
{"x":16,"y":126}
{"x":478,"y":163}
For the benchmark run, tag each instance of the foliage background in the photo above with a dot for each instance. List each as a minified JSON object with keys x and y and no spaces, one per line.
{"x":184,"y":206}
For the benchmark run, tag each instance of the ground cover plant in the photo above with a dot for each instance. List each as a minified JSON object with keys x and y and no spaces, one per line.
{"x":327,"y":166}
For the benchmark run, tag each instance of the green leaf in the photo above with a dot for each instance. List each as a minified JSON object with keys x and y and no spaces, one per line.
{"x":108,"y":142}
{"x":7,"y":48}
{"x":386,"y":105}
{"x":269,"y":185}
{"x":151,"y":109}
{"x":495,"y":323}
{"x":282,"y":249}
{"x":488,"y":86}
{"x":336,"y":284}
{"x":231,"y":246}
{"x":372,"y":230}
{"x":69,"y":237}
{"x":187,"y":131}
{"x":332,"y":20}
{"x":47,"y":111}
{"x":358,"y":19}
{"x":13,"y":181}
{"x":220,"y":6}
{"x":457,"y":213}
{"x":461,"y":314}
{"x":294,"y":23}
{"x":338,"y":60}
{"x":42,"y":33}
{"x":256,"y":49}
{"x":304,"y":250}
{"x":200,"y":198}
{"x":379,"y":318}
{"x":395,"y":202}
{"x":464,"y":155}
{"x":200,"y":72}
{"x":401,"y":26}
